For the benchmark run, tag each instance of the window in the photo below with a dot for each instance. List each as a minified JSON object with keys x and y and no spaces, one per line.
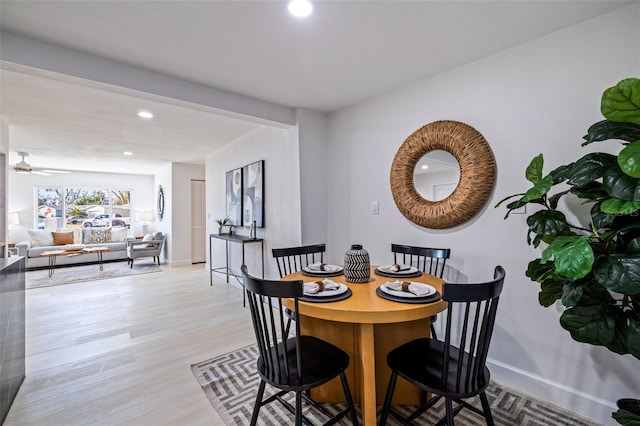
{"x":82,"y":207}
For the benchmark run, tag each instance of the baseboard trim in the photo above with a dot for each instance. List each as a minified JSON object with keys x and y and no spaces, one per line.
{"x":584,"y":404}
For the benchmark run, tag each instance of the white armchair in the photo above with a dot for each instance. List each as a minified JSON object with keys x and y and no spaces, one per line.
{"x":146,"y":248}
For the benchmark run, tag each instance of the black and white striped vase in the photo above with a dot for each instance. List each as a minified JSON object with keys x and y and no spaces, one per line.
{"x":357,"y":267}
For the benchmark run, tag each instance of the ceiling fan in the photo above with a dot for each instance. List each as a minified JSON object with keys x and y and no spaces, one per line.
{"x":23,"y":167}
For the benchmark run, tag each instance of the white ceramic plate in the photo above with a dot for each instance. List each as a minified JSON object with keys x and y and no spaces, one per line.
{"x":328,"y":293}
{"x":408,"y":294}
{"x":313,"y":271}
{"x":385,"y":268}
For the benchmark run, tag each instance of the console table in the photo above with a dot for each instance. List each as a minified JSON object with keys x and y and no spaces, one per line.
{"x":238,"y":239}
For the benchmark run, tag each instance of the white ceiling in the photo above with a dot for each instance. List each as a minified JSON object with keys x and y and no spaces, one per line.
{"x":345,"y":53}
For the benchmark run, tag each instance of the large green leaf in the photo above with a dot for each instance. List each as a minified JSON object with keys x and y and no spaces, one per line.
{"x":622,"y":102}
{"x":626,"y":418}
{"x":562,"y":173}
{"x":549,"y":293}
{"x":619,"y":272}
{"x":629,"y":159}
{"x":538,"y":271}
{"x":590,"y":191}
{"x":620,"y":185}
{"x":634,"y":246}
{"x":594,"y":294}
{"x":571,"y":294}
{"x":547,"y":222}
{"x":573,"y":256}
{"x":533,"y":173}
{"x":591,"y":167}
{"x":621,"y":336}
{"x":613,"y":206}
{"x":633,"y":342}
{"x":590,"y":324}
{"x":605,"y":130}
{"x":555,"y":198}
{"x":539,"y":189}
{"x":601,"y":219}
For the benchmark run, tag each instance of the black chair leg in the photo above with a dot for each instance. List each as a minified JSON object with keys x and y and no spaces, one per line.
{"x":258,"y":403}
{"x":433,"y":330}
{"x":388,"y":397}
{"x":347,"y":395}
{"x":486,"y":409}
{"x":298,"y":409}
{"x":449,"y":404}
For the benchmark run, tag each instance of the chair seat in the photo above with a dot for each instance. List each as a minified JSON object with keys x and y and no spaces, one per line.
{"x":317,"y":369}
{"x":420,"y":362}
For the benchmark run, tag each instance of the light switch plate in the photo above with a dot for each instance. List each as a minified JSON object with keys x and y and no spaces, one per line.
{"x":375,"y":208}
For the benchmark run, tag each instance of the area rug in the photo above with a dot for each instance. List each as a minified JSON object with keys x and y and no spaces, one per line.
{"x":79,"y":273}
{"x":230,"y":384}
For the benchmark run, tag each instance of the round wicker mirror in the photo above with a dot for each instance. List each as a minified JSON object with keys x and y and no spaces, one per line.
{"x":477,"y":174}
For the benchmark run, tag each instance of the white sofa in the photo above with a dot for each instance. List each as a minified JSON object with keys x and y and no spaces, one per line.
{"x":115,"y":238}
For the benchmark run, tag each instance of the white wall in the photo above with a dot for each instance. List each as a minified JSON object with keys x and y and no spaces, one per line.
{"x":22,"y":195}
{"x":279,"y":150}
{"x":180,"y":216}
{"x":537,"y":97}
{"x":313,"y":175}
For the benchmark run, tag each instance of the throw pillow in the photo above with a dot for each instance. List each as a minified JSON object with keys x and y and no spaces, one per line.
{"x":118,"y":234}
{"x":62,"y":238}
{"x":100,"y":236}
{"x":40,"y":238}
{"x":77,"y":234}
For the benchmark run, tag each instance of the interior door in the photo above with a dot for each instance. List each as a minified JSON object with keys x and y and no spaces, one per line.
{"x":198,"y":229}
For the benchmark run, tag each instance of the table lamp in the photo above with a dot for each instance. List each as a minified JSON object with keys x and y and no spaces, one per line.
{"x":12,"y":219}
{"x":144,"y":217}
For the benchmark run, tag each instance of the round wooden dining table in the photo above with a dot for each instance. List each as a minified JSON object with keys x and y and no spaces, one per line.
{"x":367,"y":327}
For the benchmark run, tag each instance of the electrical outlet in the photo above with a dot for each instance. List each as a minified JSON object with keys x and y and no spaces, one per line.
{"x":375,"y":208}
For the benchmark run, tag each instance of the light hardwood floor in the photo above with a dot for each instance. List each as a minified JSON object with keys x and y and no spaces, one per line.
{"x":119,"y":351}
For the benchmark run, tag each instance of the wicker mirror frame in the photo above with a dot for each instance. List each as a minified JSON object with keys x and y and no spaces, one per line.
{"x":477,"y":174}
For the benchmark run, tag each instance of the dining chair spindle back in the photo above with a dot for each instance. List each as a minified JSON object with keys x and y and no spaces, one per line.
{"x":293,"y":259}
{"x":456,"y":368}
{"x":427,"y":259}
{"x":291,"y":363}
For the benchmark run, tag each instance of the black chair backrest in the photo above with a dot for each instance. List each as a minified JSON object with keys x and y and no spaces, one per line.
{"x":293,"y":259}
{"x":474,"y":307}
{"x":426,"y":259}
{"x":269,"y":323}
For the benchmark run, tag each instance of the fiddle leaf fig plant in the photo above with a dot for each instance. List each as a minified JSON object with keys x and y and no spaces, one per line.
{"x":592,"y":268}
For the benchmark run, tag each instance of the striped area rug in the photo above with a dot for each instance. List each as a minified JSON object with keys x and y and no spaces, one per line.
{"x":230,"y":383}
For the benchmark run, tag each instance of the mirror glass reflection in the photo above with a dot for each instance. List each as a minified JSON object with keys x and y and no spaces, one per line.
{"x":436,"y":175}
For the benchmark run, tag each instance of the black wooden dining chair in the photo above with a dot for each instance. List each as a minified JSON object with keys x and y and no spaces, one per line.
{"x":456,"y":368}
{"x":293,"y":259}
{"x":428,"y":260}
{"x":291,"y":364}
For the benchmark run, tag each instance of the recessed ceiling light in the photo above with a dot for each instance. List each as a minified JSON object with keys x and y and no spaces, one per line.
{"x":145,"y":114}
{"x":300,"y":8}
{"x":424,"y":167}
{"x":127,"y":153}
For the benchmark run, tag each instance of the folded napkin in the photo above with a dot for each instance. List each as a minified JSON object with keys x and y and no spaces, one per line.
{"x":396,"y":267}
{"x":418,"y":289}
{"x":319,"y":266}
{"x":319,"y":286}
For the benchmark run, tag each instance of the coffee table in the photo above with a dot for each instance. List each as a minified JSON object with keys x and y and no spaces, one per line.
{"x":53,"y":255}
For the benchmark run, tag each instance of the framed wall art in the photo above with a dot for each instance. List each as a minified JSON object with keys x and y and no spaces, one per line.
{"x":253,"y":194}
{"x":234,"y":197}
